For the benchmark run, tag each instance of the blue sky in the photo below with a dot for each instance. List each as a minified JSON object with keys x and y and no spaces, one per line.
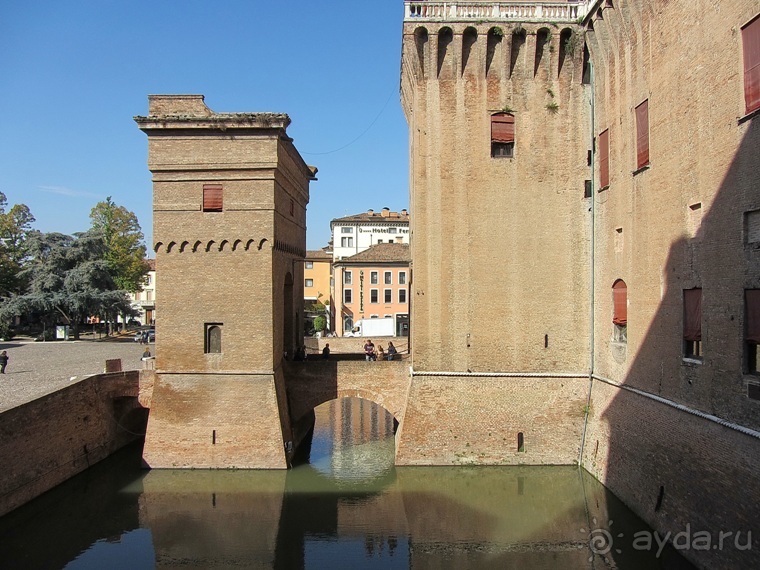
{"x":74,"y":73}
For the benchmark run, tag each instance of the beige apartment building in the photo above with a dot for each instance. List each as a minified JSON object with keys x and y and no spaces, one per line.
{"x":373,"y":284}
{"x":317,"y":277}
{"x":144,"y":302}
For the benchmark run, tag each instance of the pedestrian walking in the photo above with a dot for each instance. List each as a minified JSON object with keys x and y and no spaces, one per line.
{"x":3,"y":361}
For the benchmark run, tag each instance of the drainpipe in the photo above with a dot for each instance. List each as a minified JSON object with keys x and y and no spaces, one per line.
{"x":592,"y":264}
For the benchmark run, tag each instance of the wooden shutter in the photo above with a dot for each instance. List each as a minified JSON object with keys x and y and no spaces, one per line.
{"x":502,"y":128}
{"x":692,"y":314}
{"x":751,"y":44}
{"x":642,"y":134}
{"x":620,"y":302}
{"x":212,"y":198}
{"x":604,"y":158}
{"x":752,"y":298}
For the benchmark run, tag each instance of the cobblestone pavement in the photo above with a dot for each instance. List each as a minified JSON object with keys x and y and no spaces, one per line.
{"x":38,"y":368}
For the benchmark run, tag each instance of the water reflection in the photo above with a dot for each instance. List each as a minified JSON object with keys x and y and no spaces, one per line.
{"x":346,"y":508}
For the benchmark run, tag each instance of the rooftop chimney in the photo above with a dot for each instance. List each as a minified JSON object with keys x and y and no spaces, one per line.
{"x":386,"y":212}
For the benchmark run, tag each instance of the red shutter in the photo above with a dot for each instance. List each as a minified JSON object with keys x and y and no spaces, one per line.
{"x":751,"y":43}
{"x":212,"y":198}
{"x":692,"y":314}
{"x":752,"y":297}
{"x":620,"y":302}
{"x":642,"y":134}
{"x":502,"y":128}
{"x":604,"y":158}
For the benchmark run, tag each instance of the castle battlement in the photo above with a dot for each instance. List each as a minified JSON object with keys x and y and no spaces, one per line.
{"x":422,"y":10}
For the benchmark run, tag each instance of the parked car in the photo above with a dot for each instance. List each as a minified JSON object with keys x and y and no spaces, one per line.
{"x":140,"y":335}
{"x":133,"y":323}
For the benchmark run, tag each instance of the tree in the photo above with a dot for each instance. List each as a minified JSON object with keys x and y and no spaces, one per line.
{"x":125,"y":250}
{"x":68,"y":280}
{"x":320,"y":323}
{"x":15,"y":226}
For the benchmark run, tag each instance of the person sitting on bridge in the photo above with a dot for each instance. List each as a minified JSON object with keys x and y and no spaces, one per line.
{"x":391,"y":352}
{"x":369,"y":351}
{"x":326,"y":351}
{"x":380,"y":353}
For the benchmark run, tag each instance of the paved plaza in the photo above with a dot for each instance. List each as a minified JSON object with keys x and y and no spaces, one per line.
{"x":38,"y":368}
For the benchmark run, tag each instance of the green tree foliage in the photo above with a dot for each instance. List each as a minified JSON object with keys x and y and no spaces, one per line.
{"x":68,"y":280}
{"x":125,"y":250}
{"x":15,"y":226}
{"x":320,"y":323}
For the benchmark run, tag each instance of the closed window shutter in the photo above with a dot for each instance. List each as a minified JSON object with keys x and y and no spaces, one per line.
{"x":604,"y":158}
{"x":642,"y":134}
{"x":620,"y":302}
{"x":751,"y":45}
{"x":752,"y":297}
{"x":502,"y":128}
{"x":692,"y":314}
{"x":212,"y":198}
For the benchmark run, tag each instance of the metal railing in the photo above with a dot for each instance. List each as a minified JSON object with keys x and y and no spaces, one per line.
{"x":496,"y":11}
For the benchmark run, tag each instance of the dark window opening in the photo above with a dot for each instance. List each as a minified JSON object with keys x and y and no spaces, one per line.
{"x":469,"y":37}
{"x":445,"y":37}
{"x":520,"y":443}
{"x":213,"y":338}
{"x":752,"y":329}
{"x":542,"y":38}
{"x":620,"y":311}
{"x":502,"y":135}
{"x":493,"y":43}
{"x":518,"y":40}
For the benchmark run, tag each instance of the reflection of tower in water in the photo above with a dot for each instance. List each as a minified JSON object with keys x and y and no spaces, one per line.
{"x":359,"y":421}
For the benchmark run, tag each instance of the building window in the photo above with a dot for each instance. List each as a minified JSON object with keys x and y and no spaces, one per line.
{"x":402,"y":277}
{"x":373,"y":296}
{"x":388,"y":278}
{"x":347,"y":297}
{"x":347,"y":230}
{"x":212,"y":198}
{"x":346,"y":242}
{"x":502,"y":135}
{"x":604,"y":158}
{"x":388,"y":293}
{"x":148,"y":280}
{"x":642,"y":134}
{"x":292,"y":207}
{"x":309,"y":283}
{"x":309,"y":265}
{"x":373,"y":278}
{"x":402,"y":295}
{"x":692,"y":323}
{"x":213,"y":338}
{"x":348,"y":323}
{"x":620,"y":311}
{"x":392,"y":230}
{"x":347,"y":278}
{"x":752,"y":329}
{"x":751,"y":44}
{"x":149,"y":295}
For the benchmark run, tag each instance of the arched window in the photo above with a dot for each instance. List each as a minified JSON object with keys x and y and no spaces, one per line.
{"x":620,"y":311}
{"x":213,"y":343}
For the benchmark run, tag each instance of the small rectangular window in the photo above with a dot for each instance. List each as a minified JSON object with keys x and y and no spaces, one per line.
{"x":347,"y":296}
{"x":642,"y":134}
{"x":402,"y":295}
{"x":692,"y":323}
{"x":751,"y":49}
{"x":388,"y":295}
{"x":346,"y":242}
{"x":373,"y":278}
{"x":212,"y":343}
{"x":347,"y":230}
{"x":212,"y":198}
{"x":391,"y":230}
{"x":309,"y":283}
{"x":402,"y":277}
{"x":347,"y":278}
{"x":502,"y":135}
{"x":388,"y":278}
{"x":309,"y":265}
{"x":374,"y":296}
{"x":604,"y":158}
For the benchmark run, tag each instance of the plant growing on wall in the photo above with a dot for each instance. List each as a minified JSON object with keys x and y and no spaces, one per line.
{"x":552,"y":107}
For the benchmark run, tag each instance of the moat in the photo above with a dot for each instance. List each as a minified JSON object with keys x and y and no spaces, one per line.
{"x":344,"y":506}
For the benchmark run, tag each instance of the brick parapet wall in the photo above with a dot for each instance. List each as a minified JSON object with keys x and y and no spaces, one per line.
{"x":50,"y":439}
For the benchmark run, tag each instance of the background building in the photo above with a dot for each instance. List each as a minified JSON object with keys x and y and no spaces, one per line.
{"x":317,"y":277}
{"x":144,"y":302}
{"x":373,"y":284}
{"x":353,"y":234}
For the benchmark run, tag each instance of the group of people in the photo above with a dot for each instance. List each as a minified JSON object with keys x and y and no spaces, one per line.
{"x":300,"y":354}
{"x":372,"y":353}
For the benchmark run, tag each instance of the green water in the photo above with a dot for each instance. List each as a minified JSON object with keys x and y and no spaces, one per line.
{"x":347,"y":507}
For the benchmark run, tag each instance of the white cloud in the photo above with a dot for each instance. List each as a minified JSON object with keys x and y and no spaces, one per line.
{"x":63,"y":191}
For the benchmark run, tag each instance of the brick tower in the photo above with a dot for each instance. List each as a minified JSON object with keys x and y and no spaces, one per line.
{"x":229,"y":223}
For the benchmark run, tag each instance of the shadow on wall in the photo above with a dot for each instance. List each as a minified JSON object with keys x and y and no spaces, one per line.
{"x":680,"y":472}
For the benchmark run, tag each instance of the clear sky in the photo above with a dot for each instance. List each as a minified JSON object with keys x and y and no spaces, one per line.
{"x":74,"y":73}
